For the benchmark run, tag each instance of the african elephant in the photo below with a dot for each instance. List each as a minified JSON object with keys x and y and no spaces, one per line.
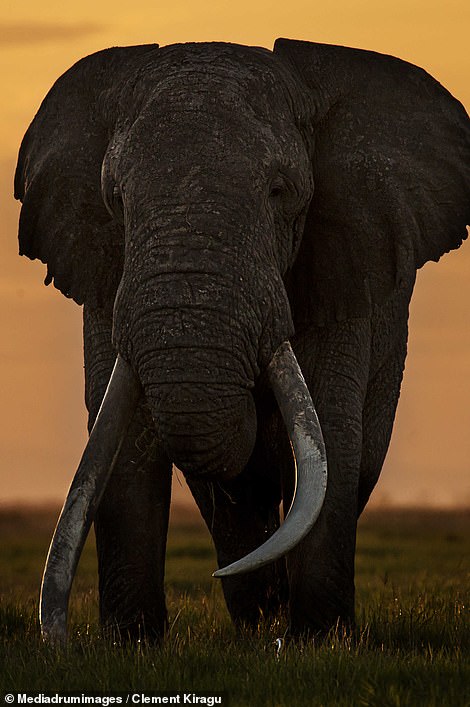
{"x":206,"y":204}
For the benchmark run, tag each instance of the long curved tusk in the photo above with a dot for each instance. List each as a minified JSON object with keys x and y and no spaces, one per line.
{"x":88,"y":485}
{"x":308,"y":448}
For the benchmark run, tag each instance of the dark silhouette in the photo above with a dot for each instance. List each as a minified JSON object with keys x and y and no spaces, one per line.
{"x":205,"y":203}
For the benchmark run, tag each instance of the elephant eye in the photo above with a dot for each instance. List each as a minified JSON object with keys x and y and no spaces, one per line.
{"x":277,"y":188}
{"x":285,"y":192}
{"x":117,"y":197}
{"x":114,"y":203}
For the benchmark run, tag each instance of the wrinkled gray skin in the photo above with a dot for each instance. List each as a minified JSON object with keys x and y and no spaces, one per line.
{"x":205,"y":202}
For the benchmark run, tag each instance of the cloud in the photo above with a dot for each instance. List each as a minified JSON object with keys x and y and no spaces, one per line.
{"x":21,"y":33}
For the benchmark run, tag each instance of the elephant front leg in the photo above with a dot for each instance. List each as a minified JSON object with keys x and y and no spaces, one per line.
{"x":240,"y":516}
{"x":132,"y":520}
{"x":321,"y":567}
{"x":335,"y":363}
{"x":131,"y":529}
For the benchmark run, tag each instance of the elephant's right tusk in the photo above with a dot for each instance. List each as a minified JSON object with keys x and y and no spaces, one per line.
{"x":308,"y":447}
{"x":88,"y":485}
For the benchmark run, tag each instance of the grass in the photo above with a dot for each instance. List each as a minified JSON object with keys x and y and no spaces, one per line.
{"x":412,"y":646}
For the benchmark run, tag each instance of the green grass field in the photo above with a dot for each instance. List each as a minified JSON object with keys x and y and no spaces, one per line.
{"x":412,"y":646}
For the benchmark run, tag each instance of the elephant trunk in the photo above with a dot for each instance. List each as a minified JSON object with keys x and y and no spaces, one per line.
{"x":197,"y":323}
{"x":198,"y":391}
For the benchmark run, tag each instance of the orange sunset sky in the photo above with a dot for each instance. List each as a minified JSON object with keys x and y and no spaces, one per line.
{"x":42,"y":415}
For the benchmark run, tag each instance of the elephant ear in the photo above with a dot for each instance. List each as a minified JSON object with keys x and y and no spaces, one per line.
{"x":391,"y":166}
{"x":63,"y":221}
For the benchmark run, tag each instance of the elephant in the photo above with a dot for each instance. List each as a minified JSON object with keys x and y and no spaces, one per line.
{"x":243,"y":228}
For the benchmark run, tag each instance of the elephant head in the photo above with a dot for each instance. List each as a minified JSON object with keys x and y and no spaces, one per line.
{"x":216,"y":199}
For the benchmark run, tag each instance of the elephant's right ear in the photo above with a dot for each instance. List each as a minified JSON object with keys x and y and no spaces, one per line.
{"x":64,"y":222}
{"x":391,"y":166}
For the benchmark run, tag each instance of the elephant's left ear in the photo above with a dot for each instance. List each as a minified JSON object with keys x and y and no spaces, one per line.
{"x":391,"y":165}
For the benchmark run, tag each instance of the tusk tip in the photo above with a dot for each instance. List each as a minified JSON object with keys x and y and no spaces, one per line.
{"x":228,"y":570}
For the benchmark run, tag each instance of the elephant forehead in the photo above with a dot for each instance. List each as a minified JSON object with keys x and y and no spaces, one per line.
{"x":217,"y":76}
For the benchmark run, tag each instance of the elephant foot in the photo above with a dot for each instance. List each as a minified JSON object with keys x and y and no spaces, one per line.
{"x":321,"y":614}
{"x":144,"y":627}
{"x":132,"y":611}
{"x":260,"y":596}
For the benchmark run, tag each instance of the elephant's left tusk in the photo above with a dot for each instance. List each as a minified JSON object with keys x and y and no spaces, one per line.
{"x":88,"y":485}
{"x":308,"y":447}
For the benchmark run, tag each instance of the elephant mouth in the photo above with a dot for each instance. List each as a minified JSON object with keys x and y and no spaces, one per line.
{"x":102,"y":450}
